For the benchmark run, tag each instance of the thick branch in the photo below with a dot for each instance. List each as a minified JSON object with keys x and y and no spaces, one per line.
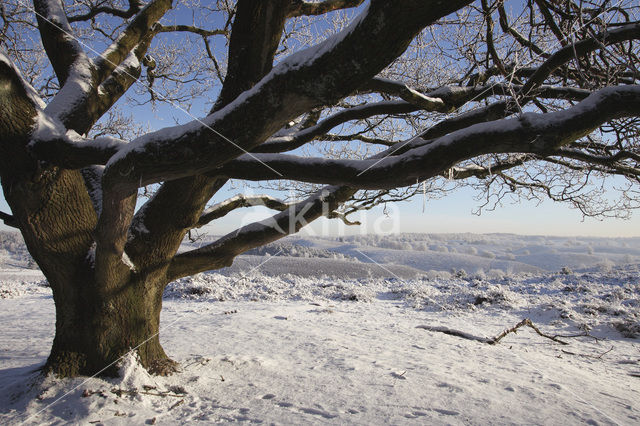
{"x":72,"y":151}
{"x":57,"y":38}
{"x":532,"y":133}
{"x":222,"y":252}
{"x":451,"y":95}
{"x":311,"y":78}
{"x":408,"y":94}
{"x":255,"y":37}
{"x":8,"y":219}
{"x":131,"y":37}
{"x":495,"y":110}
{"x":189,"y":29}
{"x":300,"y":8}
{"x":178,"y":204}
{"x":91,"y":89}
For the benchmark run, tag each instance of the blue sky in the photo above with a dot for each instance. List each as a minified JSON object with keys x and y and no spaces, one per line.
{"x":454,"y":214}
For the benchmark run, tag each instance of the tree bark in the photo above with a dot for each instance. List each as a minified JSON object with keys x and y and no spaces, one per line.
{"x":94,"y":331}
{"x":95,"y":325}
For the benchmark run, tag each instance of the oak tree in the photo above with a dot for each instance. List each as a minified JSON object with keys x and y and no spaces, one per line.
{"x":352,"y":102}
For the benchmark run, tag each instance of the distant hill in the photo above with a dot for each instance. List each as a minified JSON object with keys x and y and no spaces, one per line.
{"x":13,"y":251}
{"x":409,"y":254}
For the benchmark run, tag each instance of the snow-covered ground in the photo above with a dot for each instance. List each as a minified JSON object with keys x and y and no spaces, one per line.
{"x":324,"y":334}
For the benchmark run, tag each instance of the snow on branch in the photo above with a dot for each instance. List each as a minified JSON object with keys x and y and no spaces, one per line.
{"x":239,"y":201}
{"x":533,"y":133}
{"x":450,"y":98}
{"x":131,"y":37}
{"x":58,"y":39}
{"x":52,"y":142}
{"x":74,"y":69}
{"x":313,"y":77}
{"x":222,"y":252}
{"x":408,"y":94}
{"x":8,"y":219}
{"x":118,"y":82}
{"x":10,"y":71}
{"x":89,"y":88}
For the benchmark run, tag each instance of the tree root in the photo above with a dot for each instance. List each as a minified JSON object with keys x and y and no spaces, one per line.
{"x":492,"y":340}
{"x":163,"y":367}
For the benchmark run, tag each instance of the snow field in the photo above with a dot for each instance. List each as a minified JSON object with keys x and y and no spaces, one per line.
{"x":324,"y":335}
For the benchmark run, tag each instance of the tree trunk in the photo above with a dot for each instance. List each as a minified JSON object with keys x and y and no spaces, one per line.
{"x":93,"y":332}
{"x":53,"y":210}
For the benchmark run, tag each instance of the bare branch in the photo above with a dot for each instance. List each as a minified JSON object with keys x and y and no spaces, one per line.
{"x":8,"y":219}
{"x":408,"y":94}
{"x":58,"y":38}
{"x":225,"y":207}
{"x":189,"y":29}
{"x":494,"y":340}
{"x":504,"y":24}
{"x":222,"y":252}
{"x":134,"y":7}
{"x":580,"y":48}
{"x":299,"y":7}
{"x":612,"y":162}
{"x":533,"y":133}
{"x":290,"y":142}
{"x":131,"y":37}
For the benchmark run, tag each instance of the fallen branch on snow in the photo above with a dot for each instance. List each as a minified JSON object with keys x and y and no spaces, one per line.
{"x":492,"y":340}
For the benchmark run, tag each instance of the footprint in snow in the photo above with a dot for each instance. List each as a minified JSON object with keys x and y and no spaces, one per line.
{"x":399,"y":375}
{"x":446,"y":412}
{"x":317,"y":412}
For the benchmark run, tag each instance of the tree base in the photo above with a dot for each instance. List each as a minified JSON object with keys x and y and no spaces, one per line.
{"x":69,"y":363}
{"x":163,"y":367}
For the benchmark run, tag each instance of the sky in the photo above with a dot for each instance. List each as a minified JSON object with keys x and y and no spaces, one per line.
{"x":453,"y":213}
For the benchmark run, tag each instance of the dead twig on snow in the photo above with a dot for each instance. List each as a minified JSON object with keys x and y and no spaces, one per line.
{"x":492,"y":340}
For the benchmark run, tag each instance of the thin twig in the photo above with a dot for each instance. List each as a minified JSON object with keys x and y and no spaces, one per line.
{"x":587,"y":355}
{"x":176,"y":404}
{"x":522,"y":323}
